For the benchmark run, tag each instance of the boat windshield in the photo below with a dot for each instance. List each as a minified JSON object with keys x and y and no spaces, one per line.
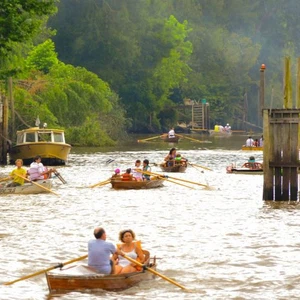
{"x":44,"y":136}
{"x":30,"y":137}
{"x":58,"y":137}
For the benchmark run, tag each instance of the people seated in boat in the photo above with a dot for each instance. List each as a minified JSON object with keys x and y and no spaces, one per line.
{"x":252,"y":164}
{"x":100,"y":252}
{"x":261,"y":141}
{"x":37,"y":171}
{"x":146,"y":168}
{"x":130,"y":248}
{"x":137,"y":170}
{"x":249,"y":142}
{"x":179,"y":160}
{"x":17,"y":174}
{"x":170,"y":158}
{"x":227,"y":127}
{"x":171,"y":133}
{"x":127,"y":176}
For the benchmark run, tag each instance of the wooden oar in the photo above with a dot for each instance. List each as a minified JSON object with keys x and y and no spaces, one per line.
{"x":205,"y":168}
{"x":100,"y":183}
{"x":164,"y":178}
{"x":59,"y":177}
{"x":179,"y":179}
{"x":183,"y":136}
{"x":46,"y":270}
{"x":155,"y":272}
{"x":148,"y":139}
{"x":5,"y":179}
{"x":42,"y":187}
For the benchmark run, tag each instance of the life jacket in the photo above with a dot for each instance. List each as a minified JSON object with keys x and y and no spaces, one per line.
{"x":126,"y":177}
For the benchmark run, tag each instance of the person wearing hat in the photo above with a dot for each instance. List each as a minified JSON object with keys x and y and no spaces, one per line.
{"x":227,"y":127}
{"x":117,"y":174}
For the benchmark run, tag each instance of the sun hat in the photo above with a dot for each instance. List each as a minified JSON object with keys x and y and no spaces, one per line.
{"x":117,"y":171}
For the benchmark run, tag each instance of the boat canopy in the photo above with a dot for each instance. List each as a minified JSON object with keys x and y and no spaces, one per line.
{"x":42,"y":135}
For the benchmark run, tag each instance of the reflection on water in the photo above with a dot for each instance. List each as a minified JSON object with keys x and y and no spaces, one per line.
{"x":221,"y":243}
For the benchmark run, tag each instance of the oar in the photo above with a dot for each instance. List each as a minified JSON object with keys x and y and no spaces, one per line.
{"x":47,"y":270}
{"x":5,"y":179}
{"x":188,"y":181}
{"x":205,"y":168}
{"x":155,"y":272}
{"x":100,"y":183}
{"x":60,"y":177}
{"x":183,"y":136}
{"x":148,"y":139}
{"x":164,"y":178}
{"x":37,"y":184}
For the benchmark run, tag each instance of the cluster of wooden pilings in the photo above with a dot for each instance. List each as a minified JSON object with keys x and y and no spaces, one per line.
{"x":281,"y":144}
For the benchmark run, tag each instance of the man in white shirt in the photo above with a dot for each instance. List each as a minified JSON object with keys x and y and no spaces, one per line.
{"x":249,"y":142}
{"x":171,"y":133}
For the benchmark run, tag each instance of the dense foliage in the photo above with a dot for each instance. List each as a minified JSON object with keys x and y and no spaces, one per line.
{"x":101,"y":67}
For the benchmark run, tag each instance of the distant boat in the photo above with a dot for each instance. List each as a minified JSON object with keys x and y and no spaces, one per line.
{"x":220,"y":131}
{"x":252,"y":148}
{"x":176,"y":168}
{"x":48,"y":143}
{"x":174,"y":139}
{"x":247,"y":168}
{"x":136,"y":185}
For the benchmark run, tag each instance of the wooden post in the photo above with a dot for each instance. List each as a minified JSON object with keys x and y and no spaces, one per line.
{"x":12,"y":107}
{"x":287,"y":98}
{"x":261,"y":93}
{"x":4,"y":131}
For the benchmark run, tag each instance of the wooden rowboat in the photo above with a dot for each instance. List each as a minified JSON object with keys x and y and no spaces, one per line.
{"x":177,"y":168}
{"x":81,"y":277}
{"x":136,"y":185}
{"x":232,"y":169}
{"x":174,"y":139}
{"x":27,"y":188}
{"x":249,"y":148}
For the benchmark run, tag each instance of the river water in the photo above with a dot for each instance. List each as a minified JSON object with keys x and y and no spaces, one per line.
{"x":220,"y":242}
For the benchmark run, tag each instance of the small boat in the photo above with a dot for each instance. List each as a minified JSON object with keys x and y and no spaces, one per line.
{"x":245,"y":169}
{"x":27,"y":188}
{"x":174,"y":139}
{"x":223,"y":133}
{"x":117,"y":183}
{"x":48,"y":143}
{"x":82,"y":277}
{"x":180,"y":168}
{"x":252,"y":148}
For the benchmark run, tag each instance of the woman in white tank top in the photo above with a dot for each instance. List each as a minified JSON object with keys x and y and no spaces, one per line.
{"x":130,"y":249}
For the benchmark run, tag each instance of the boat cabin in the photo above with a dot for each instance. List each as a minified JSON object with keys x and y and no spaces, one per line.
{"x":34,"y":135}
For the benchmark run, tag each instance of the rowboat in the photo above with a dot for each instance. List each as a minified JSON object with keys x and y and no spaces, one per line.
{"x":251,"y":148}
{"x":48,"y":143}
{"x":174,"y":139}
{"x":176,"y":168}
{"x":136,"y":185}
{"x":245,"y":169}
{"x":224,"y":133}
{"x":82,"y":277}
{"x":28,"y":188}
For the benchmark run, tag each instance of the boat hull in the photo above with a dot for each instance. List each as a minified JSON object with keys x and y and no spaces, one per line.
{"x":27,"y":188}
{"x":246,"y":148}
{"x":74,"y":279}
{"x":176,"y":168}
{"x":171,"y":140}
{"x":220,"y":133}
{"x":52,"y":153}
{"x":136,"y":185}
{"x":246,"y":171}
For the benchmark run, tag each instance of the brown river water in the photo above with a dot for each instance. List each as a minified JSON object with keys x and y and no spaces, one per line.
{"x":220,"y":242}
